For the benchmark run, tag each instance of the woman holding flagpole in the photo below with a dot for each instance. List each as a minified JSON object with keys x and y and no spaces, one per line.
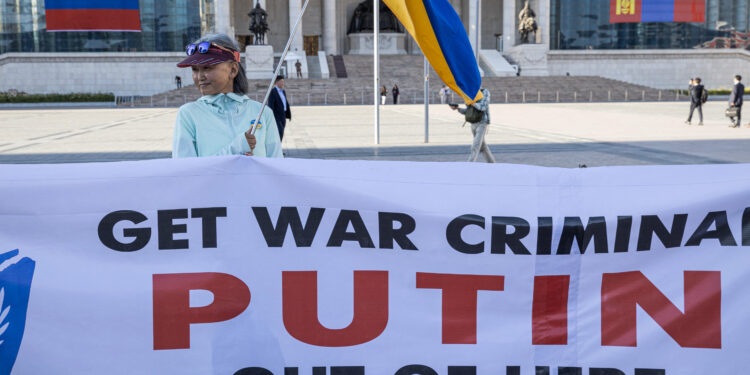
{"x":219,"y":122}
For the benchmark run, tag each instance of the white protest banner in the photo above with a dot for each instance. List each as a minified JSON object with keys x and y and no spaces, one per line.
{"x":248,"y":266}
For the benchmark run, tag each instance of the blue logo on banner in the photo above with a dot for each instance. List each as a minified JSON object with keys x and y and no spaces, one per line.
{"x":15,"y":288}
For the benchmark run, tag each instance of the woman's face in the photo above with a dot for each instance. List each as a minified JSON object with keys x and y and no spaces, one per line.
{"x":215,"y":79}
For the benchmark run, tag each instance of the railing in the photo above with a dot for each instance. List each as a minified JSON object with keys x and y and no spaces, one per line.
{"x":364,"y":97}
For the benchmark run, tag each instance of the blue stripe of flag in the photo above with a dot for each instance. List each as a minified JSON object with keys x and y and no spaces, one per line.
{"x":657,"y":11}
{"x":455,"y":45}
{"x":91,"y":4}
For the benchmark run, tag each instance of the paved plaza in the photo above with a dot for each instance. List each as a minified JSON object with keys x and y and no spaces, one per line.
{"x":556,"y":135}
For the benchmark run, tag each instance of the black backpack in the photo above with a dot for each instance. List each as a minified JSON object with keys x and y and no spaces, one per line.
{"x":473,"y":115}
{"x":704,"y":96}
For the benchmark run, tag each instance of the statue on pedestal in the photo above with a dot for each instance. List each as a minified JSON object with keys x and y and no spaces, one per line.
{"x":363,"y":18}
{"x":526,"y":23}
{"x":258,"y":24}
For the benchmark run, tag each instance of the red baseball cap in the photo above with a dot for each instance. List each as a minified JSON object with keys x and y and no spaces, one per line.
{"x":212,"y":56}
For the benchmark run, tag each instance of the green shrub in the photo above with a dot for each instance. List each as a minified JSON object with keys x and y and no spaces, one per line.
{"x":13,"y":97}
{"x":724,"y":92}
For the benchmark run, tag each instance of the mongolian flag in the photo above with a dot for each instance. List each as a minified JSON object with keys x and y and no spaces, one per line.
{"x":621,"y":11}
{"x":440,"y":34}
{"x":86,"y":15}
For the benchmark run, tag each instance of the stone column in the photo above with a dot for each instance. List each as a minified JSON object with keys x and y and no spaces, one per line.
{"x":297,"y":47}
{"x":475,"y":24}
{"x":295,"y":7}
{"x":509,"y":24}
{"x":223,"y":15}
{"x":543,"y":20}
{"x":329,"y":27}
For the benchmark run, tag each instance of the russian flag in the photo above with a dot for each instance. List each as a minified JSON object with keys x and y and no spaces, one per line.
{"x":624,"y":11}
{"x":441,"y":36}
{"x":87,"y":15}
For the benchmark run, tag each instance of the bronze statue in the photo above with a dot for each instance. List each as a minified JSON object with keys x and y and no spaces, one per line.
{"x":363,"y":18}
{"x":258,"y":24}
{"x":526,"y":23}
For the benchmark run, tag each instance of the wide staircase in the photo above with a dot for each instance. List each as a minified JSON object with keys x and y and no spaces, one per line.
{"x":407,"y":72}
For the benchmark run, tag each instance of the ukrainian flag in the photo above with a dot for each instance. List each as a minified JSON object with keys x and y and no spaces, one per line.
{"x":440,"y":34}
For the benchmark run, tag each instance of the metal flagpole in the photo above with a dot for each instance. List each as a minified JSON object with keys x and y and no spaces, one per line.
{"x":376,"y":66}
{"x":478,"y":30}
{"x":278,"y":68}
{"x":426,"y":101}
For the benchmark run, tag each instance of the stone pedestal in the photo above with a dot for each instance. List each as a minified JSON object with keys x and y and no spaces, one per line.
{"x":259,"y":62}
{"x":390,"y":44}
{"x":531,"y":58}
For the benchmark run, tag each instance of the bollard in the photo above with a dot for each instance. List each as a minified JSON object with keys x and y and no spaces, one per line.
{"x":575,"y":96}
{"x":308,"y":98}
{"x":557,"y":97}
{"x":132,"y":101}
{"x":363,"y":97}
{"x":184,"y":99}
{"x":643,"y":95}
{"x":152,"y":100}
{"x":626,"y":95}
{"x":538,"y":97}
{"x":609,"y":95}
{"x":325,"y":98}
{"x":591,"y":96}
{"x":677,"y":96}
{"x":523,"y":97}
{"x":506,"y":97}
{"x":344,"y":98}
{"x":659,"y":95}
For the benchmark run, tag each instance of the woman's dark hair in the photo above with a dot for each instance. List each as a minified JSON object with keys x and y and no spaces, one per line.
{"x":239,"y":85}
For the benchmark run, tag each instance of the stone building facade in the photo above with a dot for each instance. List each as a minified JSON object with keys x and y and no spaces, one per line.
{"x":574,"y":37}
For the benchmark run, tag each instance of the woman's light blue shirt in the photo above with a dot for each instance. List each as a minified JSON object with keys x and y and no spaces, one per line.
{"x":216,"y":125}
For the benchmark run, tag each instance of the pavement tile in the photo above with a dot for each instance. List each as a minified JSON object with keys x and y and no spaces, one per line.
{"x":555,"y":135}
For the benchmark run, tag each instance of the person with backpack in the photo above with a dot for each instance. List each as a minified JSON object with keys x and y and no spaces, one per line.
{"x":698,"y":96}
{"x":478,"y":115}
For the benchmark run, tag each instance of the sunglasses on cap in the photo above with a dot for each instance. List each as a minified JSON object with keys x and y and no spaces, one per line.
{"x":203,"y":47}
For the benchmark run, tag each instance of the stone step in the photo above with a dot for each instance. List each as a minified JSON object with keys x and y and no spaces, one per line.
{"x":339,"y":66}
{"x":407,"y":72}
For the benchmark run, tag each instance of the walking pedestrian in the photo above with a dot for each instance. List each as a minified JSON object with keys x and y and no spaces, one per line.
{"x":178,"y":82}
{"x":735,"y":100}
{"x":395,"y":93}
{"x":696,"y":100}
{"x":443,"y":94}
{"x":383,"y":95}
{"x":279,"y":104}
{"x":478,"y":115}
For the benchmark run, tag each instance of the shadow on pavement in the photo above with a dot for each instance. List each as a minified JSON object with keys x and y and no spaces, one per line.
{"x":545,"y":154}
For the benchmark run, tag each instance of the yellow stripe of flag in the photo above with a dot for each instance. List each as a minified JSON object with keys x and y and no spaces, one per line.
{"x":413,"y":16}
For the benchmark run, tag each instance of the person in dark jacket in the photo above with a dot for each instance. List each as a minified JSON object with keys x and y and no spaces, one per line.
{"x":696,"y":100}
{"x":395,"y":93}
{"x":279,"y":104}
{"x":735,"y":100}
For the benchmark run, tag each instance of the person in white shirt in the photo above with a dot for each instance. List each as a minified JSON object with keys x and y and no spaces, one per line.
{"x":443,"y":94}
